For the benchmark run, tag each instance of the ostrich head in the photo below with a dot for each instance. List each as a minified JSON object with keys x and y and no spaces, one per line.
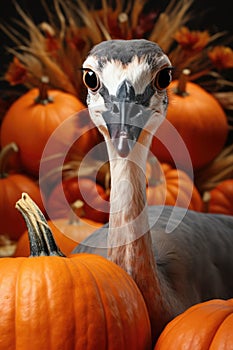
{"x":127,"y":83}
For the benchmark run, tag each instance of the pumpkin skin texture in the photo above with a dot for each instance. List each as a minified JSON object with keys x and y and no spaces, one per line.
{"x":205,"y":326}
{"x":175,"y":187}
{"x":11,"y":189}
{"x":30,"y":124}
{"x":80,"y":302}
{"x":201,"y":123}
{"x":221,"y":198}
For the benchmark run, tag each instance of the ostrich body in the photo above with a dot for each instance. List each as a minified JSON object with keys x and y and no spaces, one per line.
{"x":127,"y":100}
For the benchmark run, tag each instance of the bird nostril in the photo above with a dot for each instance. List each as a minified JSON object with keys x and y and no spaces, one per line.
{"x":135,"y":110}
{"x":115,"y":108}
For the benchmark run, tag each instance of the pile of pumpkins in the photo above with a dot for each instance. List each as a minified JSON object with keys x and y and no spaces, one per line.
{"x":96,"y":299}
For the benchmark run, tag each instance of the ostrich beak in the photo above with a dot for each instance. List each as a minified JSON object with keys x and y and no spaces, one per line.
{"x":125,"y":119}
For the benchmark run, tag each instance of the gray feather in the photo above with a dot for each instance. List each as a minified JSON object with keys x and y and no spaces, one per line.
{"x":199,"y":250}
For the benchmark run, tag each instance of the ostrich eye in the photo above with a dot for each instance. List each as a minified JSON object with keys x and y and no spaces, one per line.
{"x":91,"y":80}
{"x":163,"y":78}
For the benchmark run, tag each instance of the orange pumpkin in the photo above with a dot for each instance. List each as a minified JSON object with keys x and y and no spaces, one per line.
{"x":94,"y":197}
{"x":221,"y":198}
{"x":204,"y":326}
{"x":169,"y":186}
{"x":200,"y":121}
{"x":11,"y":187}
{"x":53,"y":302}
{"x":31,"y":120}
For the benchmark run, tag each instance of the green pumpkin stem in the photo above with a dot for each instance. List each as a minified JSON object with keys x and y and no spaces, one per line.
{"x":40,"y":235}
{"x":5,"y":153}
{"x":182,"y":82}
{"x":43,"y":97}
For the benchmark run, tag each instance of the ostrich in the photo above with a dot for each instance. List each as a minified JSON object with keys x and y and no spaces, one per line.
{"x":127,"y":100}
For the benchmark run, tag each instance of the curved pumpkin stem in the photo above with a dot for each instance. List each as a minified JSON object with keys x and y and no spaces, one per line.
{"x":156,"y":176}
{"x":76,"y":212}
{"x":206,"y":201}
{"x":43,"y":97}
{"x":4,"y":156}
{"x":182,"y":82}
{"x":40,"y":235}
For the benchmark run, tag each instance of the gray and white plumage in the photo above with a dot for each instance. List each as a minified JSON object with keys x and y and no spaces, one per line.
{"x":198,"y":253}
{"x":127,"y":100}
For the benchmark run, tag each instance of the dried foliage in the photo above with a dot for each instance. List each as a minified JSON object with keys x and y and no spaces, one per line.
{"x":57,"y":47}
{"x":221,"y":168}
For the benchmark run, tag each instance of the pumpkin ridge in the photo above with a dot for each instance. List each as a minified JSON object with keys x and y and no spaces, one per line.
{"x":228,"y":319}
{"x":124,"y":282}
{"x":171,"y":325}
{"x":75,"y":271}
{"x":100,"y":297}
{"x":20,"y":267}
{"x":85,"y":266}
{"x":22,"y":299}
{"x":179,"y":324}
{"x":67,"y":265}
{"x":64,"y":263}
{"x":47,"y":270}
{"x":220,"y":323}
{"x":106,"y":304}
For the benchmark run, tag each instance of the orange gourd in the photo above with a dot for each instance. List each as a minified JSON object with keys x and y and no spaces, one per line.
{"x":204,"y":326}
{"x":11,"y":187}
{"x":80,"y":302}
{"x":93,"y":195}
{"x":221,"y":198}
{"x":169,"y":186}
{"x":200,"y":121}
{"x":31,"y":120}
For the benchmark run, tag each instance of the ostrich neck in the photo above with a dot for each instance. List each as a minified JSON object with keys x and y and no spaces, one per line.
{"x":129,"y":240}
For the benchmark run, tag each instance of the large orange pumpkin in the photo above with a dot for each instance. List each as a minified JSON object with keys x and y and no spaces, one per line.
{"x":80,"y":302}
{"x":169,"y":186}
{"x":204,"y":326}
{"x":200,"y":121}
{"x":11,"y":187}
{"x":31,"y":120}
{"x":221,"y":198}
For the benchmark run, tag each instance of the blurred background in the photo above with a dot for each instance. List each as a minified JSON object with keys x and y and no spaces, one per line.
{"x":207,"y":16}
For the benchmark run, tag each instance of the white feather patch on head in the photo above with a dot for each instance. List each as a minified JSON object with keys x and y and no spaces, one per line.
{"x":138,"y":73}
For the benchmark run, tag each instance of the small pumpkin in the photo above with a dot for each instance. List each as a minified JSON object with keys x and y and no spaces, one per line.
{"x":11,"y":187}
{"x":200,"y":121}
{"x":77,"y":302}
{"x":93,"y":195}
{"x":68,"y":232}
{"x":204,"y":326}
{"x":169,"y":186}
{"x":33,"y":117}
{"x":220,"y":198}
